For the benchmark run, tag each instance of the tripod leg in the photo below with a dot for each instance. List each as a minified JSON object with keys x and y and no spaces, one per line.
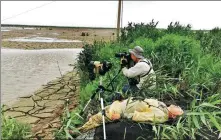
{"x":92,"y":97}
{"x":103,"y":113}
{"x":86,"y":105}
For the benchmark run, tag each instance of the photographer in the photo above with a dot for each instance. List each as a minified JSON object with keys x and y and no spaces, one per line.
{"x":139,"y":73}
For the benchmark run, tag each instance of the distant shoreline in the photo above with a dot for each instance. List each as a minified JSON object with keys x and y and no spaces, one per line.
{"x":47,"y":26}
{"x":68,"y":27}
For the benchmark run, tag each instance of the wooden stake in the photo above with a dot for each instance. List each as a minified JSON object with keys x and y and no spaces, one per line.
{"x":118,"y":19}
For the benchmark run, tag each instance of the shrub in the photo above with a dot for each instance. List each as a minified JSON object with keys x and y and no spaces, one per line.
{"x":187,"y":66}
{"x":179,"y":29}
{"x":134,"y":31}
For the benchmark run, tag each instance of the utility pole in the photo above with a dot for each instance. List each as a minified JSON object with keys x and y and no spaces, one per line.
{"x":118,"y":18}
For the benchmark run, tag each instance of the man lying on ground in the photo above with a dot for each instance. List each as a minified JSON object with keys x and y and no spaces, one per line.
{"x":147,"y":110}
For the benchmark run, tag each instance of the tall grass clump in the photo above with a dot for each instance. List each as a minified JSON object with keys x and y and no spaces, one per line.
{"x":12,"y":129}
{"x":210,"y":41}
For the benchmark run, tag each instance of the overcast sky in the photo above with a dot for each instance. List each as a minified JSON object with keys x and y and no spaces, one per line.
{"x":200,"y":14}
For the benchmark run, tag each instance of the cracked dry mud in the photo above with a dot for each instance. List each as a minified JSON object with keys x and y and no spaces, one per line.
{"x":44,"y":108}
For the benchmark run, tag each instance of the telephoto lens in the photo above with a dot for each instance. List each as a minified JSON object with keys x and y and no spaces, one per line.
{"x":106,"y":66}
{"x":97,"y":67}
{"x":121,"y":54}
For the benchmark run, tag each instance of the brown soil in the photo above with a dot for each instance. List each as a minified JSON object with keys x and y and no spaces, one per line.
{"x":87,"y":35}
{"x":44,"y":109}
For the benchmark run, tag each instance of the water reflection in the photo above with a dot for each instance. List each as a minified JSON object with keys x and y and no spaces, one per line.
{"x":24,"y":71}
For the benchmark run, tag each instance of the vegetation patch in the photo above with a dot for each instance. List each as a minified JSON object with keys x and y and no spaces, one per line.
{"x":187,"y":65}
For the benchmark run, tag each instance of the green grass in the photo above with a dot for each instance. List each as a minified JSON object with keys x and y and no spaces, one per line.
{"x":187,"y":65}
{"x":11,"y":129}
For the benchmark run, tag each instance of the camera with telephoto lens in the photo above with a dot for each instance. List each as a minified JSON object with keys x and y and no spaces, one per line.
{"x":126,"y":57}
{"x":123,"y":54}
{"x":97,"y":67}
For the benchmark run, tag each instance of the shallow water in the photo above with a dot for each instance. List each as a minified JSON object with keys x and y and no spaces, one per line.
{"x":24,"y":71}
{"x":16,"y":28}
{"x":39,"y":39}
{"x":5,"y":30}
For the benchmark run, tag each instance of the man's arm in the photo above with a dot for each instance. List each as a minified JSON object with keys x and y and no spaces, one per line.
{"x":138,"y":69}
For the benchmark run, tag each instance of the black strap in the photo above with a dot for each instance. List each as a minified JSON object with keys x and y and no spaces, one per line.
{"x":149,"y":69}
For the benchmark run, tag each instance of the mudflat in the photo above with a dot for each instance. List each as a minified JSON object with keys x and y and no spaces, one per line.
{"x":43,"y":109}
{"x":53,"y":37}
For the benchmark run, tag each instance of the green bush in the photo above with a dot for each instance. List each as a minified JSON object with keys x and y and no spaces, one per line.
{"x":84,"y":58}
{"x":86,"y":92}
{"x":134,"y":31}
{"x":187,"y":65}
{"x":179,"y":29}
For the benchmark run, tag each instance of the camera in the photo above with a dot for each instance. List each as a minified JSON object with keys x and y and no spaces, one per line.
{"x":126,"y":57}
{"x":97,"y":67}
{"x":123,"y":55}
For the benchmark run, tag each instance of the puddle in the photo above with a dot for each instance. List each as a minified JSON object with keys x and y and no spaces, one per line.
{"x":24,"y":71}
{"x":16,"y":28}
{"x":4,"y":30}
{"x":39,"y":39}
{"x":55,"y":33}
{"x":11,"y":28}
{"x":28,"y":28}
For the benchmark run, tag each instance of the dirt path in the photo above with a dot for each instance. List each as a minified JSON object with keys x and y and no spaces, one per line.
{"x":44,"y":109}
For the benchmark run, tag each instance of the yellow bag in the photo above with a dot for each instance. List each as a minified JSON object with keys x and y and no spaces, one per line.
{"x":149,"y":110}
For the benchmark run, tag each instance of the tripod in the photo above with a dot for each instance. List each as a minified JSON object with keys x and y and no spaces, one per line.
{"x":100,"y":87}
{"x":100,"y":90}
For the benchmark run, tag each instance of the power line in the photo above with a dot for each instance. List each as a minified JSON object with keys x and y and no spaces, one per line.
{"x":27,"y":11}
